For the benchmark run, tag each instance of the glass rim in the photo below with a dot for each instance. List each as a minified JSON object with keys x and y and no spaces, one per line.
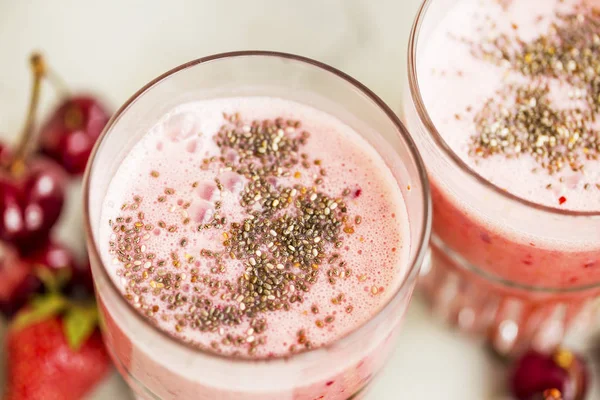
{"x":413,"y":265}
{"x":423,"y":114}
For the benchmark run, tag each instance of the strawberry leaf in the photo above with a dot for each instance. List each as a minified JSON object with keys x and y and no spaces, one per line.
{"x":53,"y":282}
{"x":79,"y":324}
{"x":40,"y":309}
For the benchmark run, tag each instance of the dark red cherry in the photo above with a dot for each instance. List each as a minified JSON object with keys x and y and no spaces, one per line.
{"x":561,"y":375}
{"x":31,"y":203}
{"x":84,"y":275}
{"x":17,"y":283}
{"x":54,"y":256}
{"x":73,"y":277}
{"x":70,"y":133}
{"x":82,"y":285}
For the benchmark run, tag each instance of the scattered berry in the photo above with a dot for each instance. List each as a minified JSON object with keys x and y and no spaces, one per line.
{"x":17,"y":283}
{"x":31,"y":202}
{"x":561,"y":375}
{"x":54,"y":256}
{"x":70,"y":133}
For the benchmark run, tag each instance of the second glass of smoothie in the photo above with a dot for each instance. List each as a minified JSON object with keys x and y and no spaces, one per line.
{"x":256,"y":222}
{"x":503,"y":102}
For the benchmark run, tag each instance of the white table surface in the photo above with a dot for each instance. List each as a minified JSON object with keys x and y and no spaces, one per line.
{"x":114,"y":47}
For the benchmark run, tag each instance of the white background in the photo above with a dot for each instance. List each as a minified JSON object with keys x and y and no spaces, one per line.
{"x":114,"y":47}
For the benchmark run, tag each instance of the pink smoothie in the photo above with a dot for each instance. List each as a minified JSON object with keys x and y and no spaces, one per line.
{"x":455,"y":84}
{"x":469,"y":90}
{"x":255,"y":248}
{"x":504,"y":113}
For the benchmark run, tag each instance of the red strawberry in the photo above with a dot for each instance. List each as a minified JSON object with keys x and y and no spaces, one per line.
{"x":54,"y":352}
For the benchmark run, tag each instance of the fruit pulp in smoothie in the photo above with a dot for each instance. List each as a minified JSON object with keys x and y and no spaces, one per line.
{"x":256,"y":228}
{"x":511,"y":88}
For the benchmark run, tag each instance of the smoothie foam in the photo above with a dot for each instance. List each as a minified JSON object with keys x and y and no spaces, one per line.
{"x":456,"y":83}
{"x":184,"y":184}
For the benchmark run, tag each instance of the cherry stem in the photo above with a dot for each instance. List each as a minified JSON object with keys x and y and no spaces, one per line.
{"x":38,"y":68}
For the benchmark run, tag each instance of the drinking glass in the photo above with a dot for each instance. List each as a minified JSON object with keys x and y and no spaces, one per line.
{"x":518,"y":273}
{"x":157,"y":366}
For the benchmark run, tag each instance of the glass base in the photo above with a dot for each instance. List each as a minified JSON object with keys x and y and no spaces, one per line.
{"x":510,"y":318}
{"x":360,"y":395}
{"x":141,"y":392}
